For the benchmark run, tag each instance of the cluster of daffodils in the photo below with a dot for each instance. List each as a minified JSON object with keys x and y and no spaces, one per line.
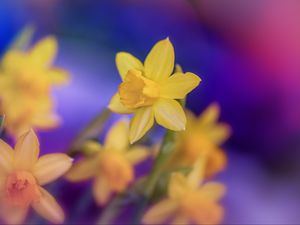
{"x":26,"y":79}
{"x":190,"y":152}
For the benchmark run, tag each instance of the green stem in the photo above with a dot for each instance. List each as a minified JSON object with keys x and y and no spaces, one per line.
{"x":111,"y":211}
{"x":93,"y":130}
{"x":162,"y":158}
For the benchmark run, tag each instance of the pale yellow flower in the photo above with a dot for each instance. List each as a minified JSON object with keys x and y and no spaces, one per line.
{"x":189,"y":201}
{"x":22,"y":173}
{"x":149,"y":91}
{"x":26,"y":79}
{"x":203,"y":137}
{"x":112,"y":167}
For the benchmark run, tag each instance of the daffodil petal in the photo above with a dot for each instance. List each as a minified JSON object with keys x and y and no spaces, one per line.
{"x":125,"y":62}
{"x":58,"y":76}
{"x":44,"y":52}
{"x":210,"y":115}
{"x":117,"y":137}
{"x":6,"y":158}
{"x":48,"y":208}
{"x":12,"y":214}
{"x":101,"y":190}
{"x":137,"y":154}
{"x":141,"y":122}
{"x":116,"y":106}
{"x":179,"y":85}
{"x":219,"y":133}
{"x":27,"y":151}
{"x":196,"y":176}
{"x":52,"y":166}
{"x":180,"y":219}
{"x":46,"y":120}
{"x":12,"y":60}
{"x":211,"y":214}
{"x":160,"y":212}
{"x":177,"y":186}
{"x":213,"y":190}
{"x":159,"y":63}
{"x":83,"y":170}
{"x":169,"y":114}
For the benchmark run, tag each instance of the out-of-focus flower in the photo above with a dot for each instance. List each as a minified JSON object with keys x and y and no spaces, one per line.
{"x":149,"y":91}
{"x":22,"y":173}
{"x":112,"y":165}
{"x":202,"y":138}
{"x":187,"y":202}
{"x":26,"y":79}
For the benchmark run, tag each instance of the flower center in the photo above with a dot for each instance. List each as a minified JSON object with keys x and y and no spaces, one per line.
{"x":21,"y":189}
{"x":117,"y":171}
{"x":136,"y":90}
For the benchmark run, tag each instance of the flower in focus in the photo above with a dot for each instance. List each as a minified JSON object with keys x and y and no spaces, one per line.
{"x":112,"y":166}
{"x":22,"y":174}
{"x":202,"y":138}
{"x":26,"y":79}
{"x":149,"y":91}
{"x":187,"y":202}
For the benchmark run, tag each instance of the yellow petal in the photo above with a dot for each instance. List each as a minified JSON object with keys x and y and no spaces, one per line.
{"x":48,"y":208}
{"x":13,"y":214}
{"x":117,"y":137}
{"x":141,"y":122}
{"x":44,"y":52}
{"x":159,"y":63}
{"x":137,"y":154}
{"x":169,"y":114}
{"x":83,"y":170}
{"x":178,"y":186}
{"x":160,"y":212}
{"x":179,"y":85}
{"x":58,"y":76}
{"x":180,"y":219}
{"x":13,"y":60}
{"x":6,"y":158}
{"x":101,"y":190}
{"x":46,"y":120}
{"x":116,"y":106}
{"x":51,"y":166}
{"x":219,"y":133}
{"x":213,"y":190}
{"x":27,"y":151}
{"x":210,"y":115}
{"x":126,"y":62}
{"x":196,"y":176}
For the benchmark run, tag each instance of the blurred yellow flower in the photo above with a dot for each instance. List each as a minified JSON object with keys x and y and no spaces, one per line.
{"x":112,"y":166}
{"x":22,"y":174}
{"x":187,"y":202}
{"x":26,"y":79}
{"x":149,"y":91}
{"x":202,"y":137}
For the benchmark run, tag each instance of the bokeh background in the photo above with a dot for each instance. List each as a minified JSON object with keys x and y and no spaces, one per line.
{"x":246,"y":52}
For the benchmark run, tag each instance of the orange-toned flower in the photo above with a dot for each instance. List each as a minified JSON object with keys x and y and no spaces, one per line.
{"x":22,"y":174}
{"x":112,"y":166}
{"x":203,"y":137}
{"x":26,"y":79}
{"x":187,"y":202}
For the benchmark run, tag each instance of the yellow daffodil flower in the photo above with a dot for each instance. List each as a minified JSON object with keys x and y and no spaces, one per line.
{"x":187,"y":202}
{"x":149,"y":91}
{"x":202,"y":137}
{"x":112,"y":166}
{"x":22,"y":174}
{"x":26,"y":79}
